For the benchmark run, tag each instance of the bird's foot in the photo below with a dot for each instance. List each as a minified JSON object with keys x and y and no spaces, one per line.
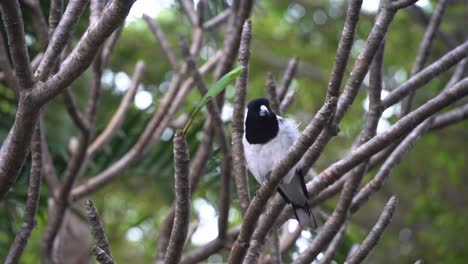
{"x":267,"y":176}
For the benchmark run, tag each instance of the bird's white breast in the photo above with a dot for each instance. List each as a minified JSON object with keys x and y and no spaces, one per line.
{"x":262,"y":158}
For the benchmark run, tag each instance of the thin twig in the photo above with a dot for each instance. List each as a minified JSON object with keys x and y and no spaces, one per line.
{"x":238,"y":158}
{"x":55,"y":13}
{"x":165,"y":46}
{"x":119,"y":115}
{"x":394,"y":159}
{"x":101,"y":256}
{"x":333,"y":247}
{"x":172,"y":100}
{"x":371,"y":240}
{"x":336,"y":76}
{"x":14,"y":27}
{"x":226,"y":167}
{"x":217,"y":21}
{"x":190,"y":12}
{"x":32,"y":203}
{"x":425,"y":49}
{"x":287,"y":78}
{"x":427,"y":74}
{"x":39,"y":22}
{"x":271,"y":94}
{"x":61,"y":37}
{"x":182,"y":209}
{"x":83,"y":54}
{"x":73,"y":111}
{"x":452,"y":117}
{"x":403,"y":126}
{"x":97,"y":230}
{"x":287,"y":101}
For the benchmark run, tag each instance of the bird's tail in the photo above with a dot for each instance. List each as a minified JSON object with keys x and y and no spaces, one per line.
{"x":304,"y":216}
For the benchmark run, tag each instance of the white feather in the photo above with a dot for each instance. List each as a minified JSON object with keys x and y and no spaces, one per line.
{"x":262,"y":158}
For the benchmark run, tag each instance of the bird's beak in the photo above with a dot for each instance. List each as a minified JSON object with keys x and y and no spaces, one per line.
{"x":264,"y":111}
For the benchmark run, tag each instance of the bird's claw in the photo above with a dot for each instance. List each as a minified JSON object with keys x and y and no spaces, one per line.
{"x":267,"y":176}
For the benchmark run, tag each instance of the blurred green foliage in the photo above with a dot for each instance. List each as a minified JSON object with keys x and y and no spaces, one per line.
{"x":430,"y":218}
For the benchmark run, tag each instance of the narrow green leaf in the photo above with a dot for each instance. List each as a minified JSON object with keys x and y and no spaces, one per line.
{"x":212,"y":92}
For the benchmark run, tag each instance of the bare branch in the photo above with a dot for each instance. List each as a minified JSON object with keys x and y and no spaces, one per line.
{"x":6,"y":68}
{"x":73,"y":110}
{"x":182,"y":209}
{"x":287,"y":78}
{"x":190,"y":12}
{"x":119,"y":115}
{"x":97,"y":230}
{"x":425,"y":49}
{"x":101,"y":256}
{"x":35,"y":178}
{"x":287,"y":101}
{"x":344,"y":48}
{"x":333,"y":247}
{"x":74,"y":169}
{"x":215,"y":114}
{"x":371,"y":240}
{"x":239,"y":168}
{"x":197,"y":169}
{"x":427,"y":74}
{"x":217,"y":21}
{"x":399,"y":4}
{"x":403,"y":126}
{"x":55,"y":13}
{"x":60,"y":38}
{"x":336,"y":77}
{"x":166,"y":47}
{"x":108,"y":46}
{"x":241,"y":12}
{"x":199,"y":254}
{"x":13,"y":22}
{"x":271,"y":93}
{"x":82,"y":56}
{"x":395,"y":158}
{"x":288,"y":240}
{"x":452,"y":117}
{"x":39,"y":22}
{"x":172,"y":100}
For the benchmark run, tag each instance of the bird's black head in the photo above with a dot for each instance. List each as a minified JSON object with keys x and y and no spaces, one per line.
{"x":261,"y":124}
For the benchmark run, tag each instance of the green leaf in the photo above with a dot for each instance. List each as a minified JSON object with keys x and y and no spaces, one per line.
{"x":213,"y":91}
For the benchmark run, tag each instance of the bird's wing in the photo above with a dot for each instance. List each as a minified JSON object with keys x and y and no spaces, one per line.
{"x":288,"y":133}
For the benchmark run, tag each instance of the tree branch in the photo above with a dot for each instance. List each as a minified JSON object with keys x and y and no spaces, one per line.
{"x":13,"y":23}
{"x":371,"y":240}
{"x":101,"y":256}
{"x":82,"y":56}
{"x":121,"y":112}
{"x":403,"y":126}
{"x":427,"y":74}
{"x":271,"y":94}
{"x":32,"y":203}
{"x":165,"y":46}
{"x":239,"y":169}
{"x":60,"y":38}
{"x":182,"y":209}
{"x":333,"y":247}
{"x":97,"y":230}
{"x":287,"y":78}
{"x":425,"y":49}
{"x":170,"y":104}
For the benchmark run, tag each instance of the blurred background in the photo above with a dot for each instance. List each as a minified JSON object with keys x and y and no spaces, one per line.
{"x":430,"y":219}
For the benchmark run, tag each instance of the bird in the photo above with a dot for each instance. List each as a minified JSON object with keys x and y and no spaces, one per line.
{"x":266,"y":141}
